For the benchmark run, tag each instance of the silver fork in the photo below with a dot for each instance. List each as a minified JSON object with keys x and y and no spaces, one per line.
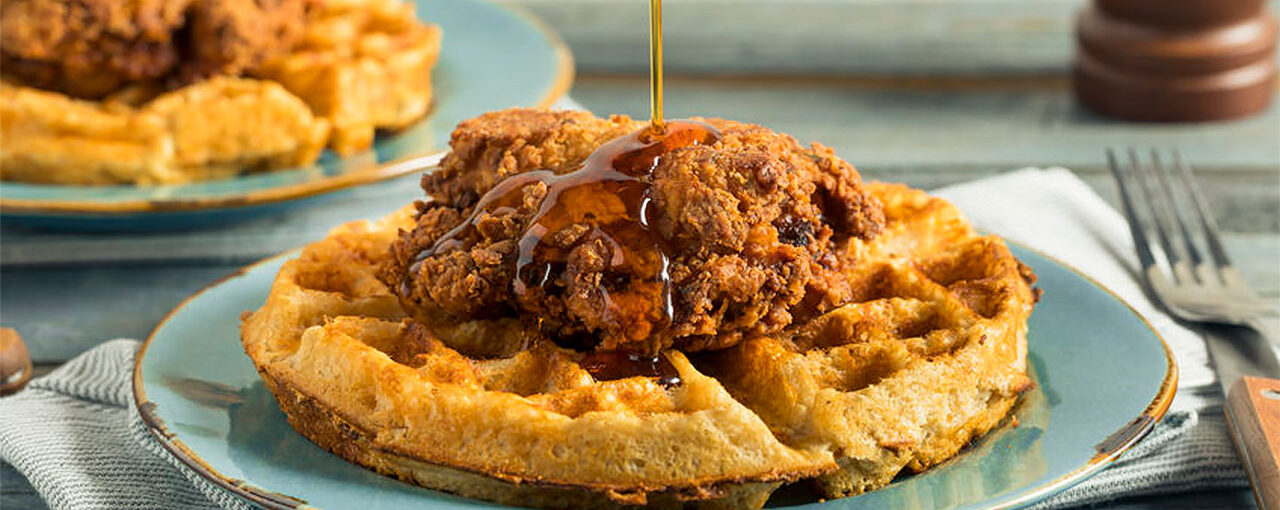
{"x":1208,"y":290}
{"x":1194,"y":287}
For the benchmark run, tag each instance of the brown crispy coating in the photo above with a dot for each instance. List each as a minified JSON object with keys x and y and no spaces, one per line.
{"x":91,"y":48}
{"x":232,"y":36}
{"x":753,"y":226}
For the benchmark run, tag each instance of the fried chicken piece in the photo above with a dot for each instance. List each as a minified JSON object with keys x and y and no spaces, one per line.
{"x":232,"y":36}
{"x":752,"y":226}
{"x":89,"y":48}
{"x":92,"y":48}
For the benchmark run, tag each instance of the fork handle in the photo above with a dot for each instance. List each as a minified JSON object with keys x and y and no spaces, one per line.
{"x":1253,"y":413}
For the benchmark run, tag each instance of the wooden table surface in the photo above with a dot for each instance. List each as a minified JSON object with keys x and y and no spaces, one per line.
{"x":925,"y":132}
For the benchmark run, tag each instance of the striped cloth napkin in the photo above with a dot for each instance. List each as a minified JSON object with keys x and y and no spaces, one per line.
{"x":76,"y":435}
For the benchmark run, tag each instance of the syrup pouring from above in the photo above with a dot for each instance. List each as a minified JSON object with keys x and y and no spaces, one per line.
{"x":610,"y":196}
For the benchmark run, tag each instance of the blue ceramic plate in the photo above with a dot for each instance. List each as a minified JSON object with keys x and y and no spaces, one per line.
{"x":1104,"y":380}
{"x":493,"y":56}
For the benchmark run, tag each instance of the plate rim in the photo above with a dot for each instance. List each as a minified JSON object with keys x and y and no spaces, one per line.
{"x":1118,"y":442}
{"x":564,"y":76}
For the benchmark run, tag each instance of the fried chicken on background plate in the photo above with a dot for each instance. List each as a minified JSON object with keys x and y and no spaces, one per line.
{"x":92,"y":48}
{"x":232,"y":36}
{"x":752,"y":225}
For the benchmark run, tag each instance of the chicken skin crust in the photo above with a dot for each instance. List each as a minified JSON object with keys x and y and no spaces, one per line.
{"x":90,"y":49}
{"x":753,"y":227}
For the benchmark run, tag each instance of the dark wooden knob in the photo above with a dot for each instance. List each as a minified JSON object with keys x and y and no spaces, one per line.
{"x":1176,"y":60}
{"x":1181,"y":13}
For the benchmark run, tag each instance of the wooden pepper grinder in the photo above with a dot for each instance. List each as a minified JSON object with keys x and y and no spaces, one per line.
{"x":1176,"y":60}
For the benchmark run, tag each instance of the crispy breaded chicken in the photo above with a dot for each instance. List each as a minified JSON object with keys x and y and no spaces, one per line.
{"x":232,"y":36}
{"x":92,"y":48}
{"x":89,"y":48}
{"x":753,"y":226}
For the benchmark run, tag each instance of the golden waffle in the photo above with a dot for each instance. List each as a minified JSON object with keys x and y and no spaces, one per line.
{"x":364,"y":65}
{"x":214,"y":128}
{"x":930,"y":355}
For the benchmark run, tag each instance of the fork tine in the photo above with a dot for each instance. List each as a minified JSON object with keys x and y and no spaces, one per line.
{"x":1136,"y":228}
{"x":1210,"y":226}
{"x":1212,"y":234}
{"x":1189,"y":269}
{"x":1159,"y":216}
{"x":1177,"y":208}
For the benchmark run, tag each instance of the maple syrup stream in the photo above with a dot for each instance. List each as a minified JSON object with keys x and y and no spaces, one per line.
{"x":655,"y":67}
{"x":609,"y":194}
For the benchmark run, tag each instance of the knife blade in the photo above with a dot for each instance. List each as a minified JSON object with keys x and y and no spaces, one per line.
{"x":1237,"y":352}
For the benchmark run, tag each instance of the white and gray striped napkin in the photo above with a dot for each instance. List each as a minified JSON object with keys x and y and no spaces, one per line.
{"x":77,"y":437}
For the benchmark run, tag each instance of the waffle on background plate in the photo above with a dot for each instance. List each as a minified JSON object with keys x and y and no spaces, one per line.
{"x":925,"y":351}
{"x":82,"y":104}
